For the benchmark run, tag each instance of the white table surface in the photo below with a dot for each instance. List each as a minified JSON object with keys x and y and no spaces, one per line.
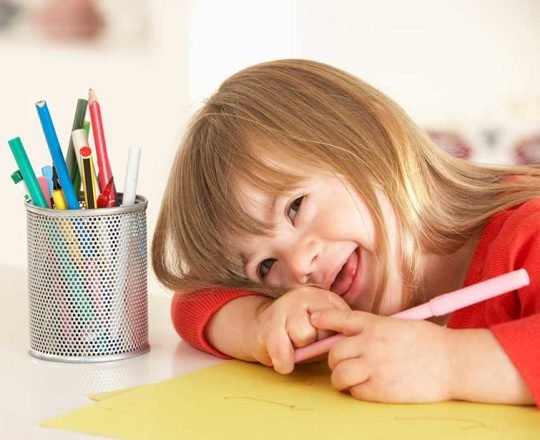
{"x":32,"y":390}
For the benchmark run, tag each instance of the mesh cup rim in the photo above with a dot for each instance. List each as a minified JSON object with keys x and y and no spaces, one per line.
{"x":140,"y":204}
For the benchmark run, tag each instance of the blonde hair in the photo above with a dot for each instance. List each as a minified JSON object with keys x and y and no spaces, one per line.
{"x":310,"y":114}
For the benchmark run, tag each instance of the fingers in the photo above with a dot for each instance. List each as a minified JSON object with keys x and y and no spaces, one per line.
{"x":349,"y":374}
{"x":364,"y":391}
{"x":323,"y":334}
{"x":286,"y":325}
{"x":280,"y":345}
{"x":349,"y":368}
{"x":337,"y":301}
{"x":300,"y":330}
{"x":347,"y":348}
{"x":316,"y":298}
{"x":281,"y":351}
{"x":347,"y":322}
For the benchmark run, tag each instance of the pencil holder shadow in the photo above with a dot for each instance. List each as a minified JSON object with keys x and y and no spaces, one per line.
{"x":87,"y":283}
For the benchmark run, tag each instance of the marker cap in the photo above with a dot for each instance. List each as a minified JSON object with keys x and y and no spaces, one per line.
{"x":16,"y":176}
{"x":79,"y":138}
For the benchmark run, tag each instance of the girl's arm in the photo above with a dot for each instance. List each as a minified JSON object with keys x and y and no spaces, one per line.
{"x":232,"y":329}
{"x":482,"y":370}
{"x":247,"y":326}
{"x":192,"y":312}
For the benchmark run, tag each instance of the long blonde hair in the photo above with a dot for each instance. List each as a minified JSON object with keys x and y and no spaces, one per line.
{"x":311,"y":114}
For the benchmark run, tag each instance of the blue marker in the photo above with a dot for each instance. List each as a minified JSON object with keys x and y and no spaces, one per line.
{"x":48,"y":174}
{"x":56,"y":154}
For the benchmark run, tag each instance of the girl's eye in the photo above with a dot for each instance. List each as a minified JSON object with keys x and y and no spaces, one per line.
{"x":294,"y":207}
{"x":265,"y":266}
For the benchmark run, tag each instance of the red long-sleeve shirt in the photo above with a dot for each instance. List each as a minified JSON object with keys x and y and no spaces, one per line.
{"x":510,"y":240}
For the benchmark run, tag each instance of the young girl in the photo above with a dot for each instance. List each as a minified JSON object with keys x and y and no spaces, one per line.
{"x":304,"y":202}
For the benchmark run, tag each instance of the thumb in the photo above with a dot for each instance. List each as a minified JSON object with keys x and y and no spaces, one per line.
{"x":348,"y":322}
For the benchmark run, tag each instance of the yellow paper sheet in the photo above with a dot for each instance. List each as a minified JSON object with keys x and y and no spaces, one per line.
{"x":239,"y":400}
{"x":108,"y":394}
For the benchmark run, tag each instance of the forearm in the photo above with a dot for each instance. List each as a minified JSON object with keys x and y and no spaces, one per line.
{"x":232,"y":329}
{"x":482,"y":371}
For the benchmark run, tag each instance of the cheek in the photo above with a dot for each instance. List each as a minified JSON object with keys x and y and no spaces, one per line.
{"x":276,"y":276}
{"x":350,"y":220}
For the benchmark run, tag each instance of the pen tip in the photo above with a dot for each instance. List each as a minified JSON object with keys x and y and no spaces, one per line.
{"x":40,"y":103}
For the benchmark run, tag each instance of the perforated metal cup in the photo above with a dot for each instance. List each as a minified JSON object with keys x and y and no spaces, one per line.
{"x":87,"y":282}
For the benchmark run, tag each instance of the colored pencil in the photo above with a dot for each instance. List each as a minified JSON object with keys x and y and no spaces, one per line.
{"x":56,"y":154}
{"x":105,"y":174}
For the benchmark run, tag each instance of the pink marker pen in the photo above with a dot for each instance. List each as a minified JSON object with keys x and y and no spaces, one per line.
{"x":438,"y":306}
{"x":43,"y":184}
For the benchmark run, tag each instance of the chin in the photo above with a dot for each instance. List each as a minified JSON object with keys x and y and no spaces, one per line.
{"x":360,"y":303}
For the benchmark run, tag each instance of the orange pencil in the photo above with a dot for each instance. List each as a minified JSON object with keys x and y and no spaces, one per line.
{"x":105,"y":174}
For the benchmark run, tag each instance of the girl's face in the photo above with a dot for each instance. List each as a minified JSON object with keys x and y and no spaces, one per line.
{"x":324,"y":235}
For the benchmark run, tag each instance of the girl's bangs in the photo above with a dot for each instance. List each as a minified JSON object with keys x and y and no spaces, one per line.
{"x":235,"y":164}
{"x":252,"y":170}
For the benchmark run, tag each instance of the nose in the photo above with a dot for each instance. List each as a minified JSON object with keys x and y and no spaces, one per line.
{"x":302,"y":260}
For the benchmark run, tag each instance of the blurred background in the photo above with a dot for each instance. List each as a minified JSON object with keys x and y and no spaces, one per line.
{"x":465,"y":70}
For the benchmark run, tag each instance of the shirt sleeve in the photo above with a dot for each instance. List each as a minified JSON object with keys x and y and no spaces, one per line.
{"x":191,"y":312}
{"x":520,"y":340}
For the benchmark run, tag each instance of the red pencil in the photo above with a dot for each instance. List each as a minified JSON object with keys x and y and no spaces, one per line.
{"x":105,"y":173}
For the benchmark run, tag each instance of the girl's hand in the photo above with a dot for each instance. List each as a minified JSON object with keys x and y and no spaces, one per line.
{"x":388,"y":359}
{"x":284,"y":324}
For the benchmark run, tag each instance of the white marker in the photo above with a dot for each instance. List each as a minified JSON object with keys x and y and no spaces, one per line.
{"x":19,"y":182}
{"x":132,"y":174}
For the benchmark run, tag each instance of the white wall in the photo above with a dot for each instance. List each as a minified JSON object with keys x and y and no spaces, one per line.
{"x":464,"y":65}
{"x":456,"y":63}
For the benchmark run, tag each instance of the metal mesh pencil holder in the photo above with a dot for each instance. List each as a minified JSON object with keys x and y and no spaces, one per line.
{"x":87,"y":283}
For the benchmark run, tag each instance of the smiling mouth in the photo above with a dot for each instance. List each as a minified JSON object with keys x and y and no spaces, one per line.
{"x":346,"y":275}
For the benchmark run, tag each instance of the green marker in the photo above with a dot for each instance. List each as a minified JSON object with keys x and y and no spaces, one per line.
{"x":71,"y":158}
{"x":27,"y":172}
